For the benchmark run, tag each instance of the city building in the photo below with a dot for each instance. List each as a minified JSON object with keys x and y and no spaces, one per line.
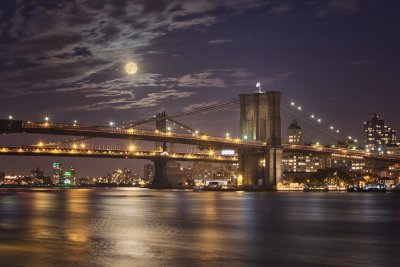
{"x":202,"y":170}
{"x":294,"y":133}
{"x":204,"y":173}
{"x":305,"y":163}
{"x":378,"y":135}
{"x":57,"y":173}
{"x":148,"y":172}
{"x":393,"y":150}
{"x":177,"y":174}
{"x":69,"y":177}
{"x":125,"y":177}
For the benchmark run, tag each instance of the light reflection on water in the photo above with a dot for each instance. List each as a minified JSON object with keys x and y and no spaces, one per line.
{"x":131,"y":227}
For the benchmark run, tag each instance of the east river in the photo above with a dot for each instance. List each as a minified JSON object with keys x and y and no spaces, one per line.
{"x":139,"y":227}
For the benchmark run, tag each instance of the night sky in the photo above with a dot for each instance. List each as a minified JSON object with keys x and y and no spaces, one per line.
{"x":65,"y":59}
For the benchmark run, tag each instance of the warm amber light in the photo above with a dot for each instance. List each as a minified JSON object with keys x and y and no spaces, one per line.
{"x":131,"y":68}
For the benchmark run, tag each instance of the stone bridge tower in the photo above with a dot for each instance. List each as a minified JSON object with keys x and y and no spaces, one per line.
{"x":260,"y":120}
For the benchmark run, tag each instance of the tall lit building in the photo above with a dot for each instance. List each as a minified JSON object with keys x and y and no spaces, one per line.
{"x":69,"y":176}
{"x":294,"y":133}
{"x":57,"y":173}
{"x":378,"y":136}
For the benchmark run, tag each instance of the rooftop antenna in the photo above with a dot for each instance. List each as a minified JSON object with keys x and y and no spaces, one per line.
{"x":258,"y":85}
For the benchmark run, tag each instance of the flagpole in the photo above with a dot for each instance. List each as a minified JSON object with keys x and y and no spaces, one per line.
{"x":258,"y":85}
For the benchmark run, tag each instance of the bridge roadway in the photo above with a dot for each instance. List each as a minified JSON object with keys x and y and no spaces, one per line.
{"x":343,"y":154}
{"x":7,"y":126}
{"x":15,"y":126}
{"x":340,"y":153}
{"x":108,"y":153}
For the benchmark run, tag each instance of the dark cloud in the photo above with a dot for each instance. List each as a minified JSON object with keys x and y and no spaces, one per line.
{"x":155,"y":6}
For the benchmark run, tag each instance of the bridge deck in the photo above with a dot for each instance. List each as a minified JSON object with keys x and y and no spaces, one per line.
{"x":120,"y":133}
{"x":107,"y":153}
{"x":12,"y":126}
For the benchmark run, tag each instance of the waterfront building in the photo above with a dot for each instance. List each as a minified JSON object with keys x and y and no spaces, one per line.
{"x":393,"y":150}
{"x":386,"y":182}
{"x":202,"y":170}
{"x":302,"y":163}
{"x":378,"y":135}
{"x":177,"y":174}
{"x":125,"y":177}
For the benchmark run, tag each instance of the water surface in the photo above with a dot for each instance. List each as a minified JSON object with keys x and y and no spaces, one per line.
{"x":138,"y":227}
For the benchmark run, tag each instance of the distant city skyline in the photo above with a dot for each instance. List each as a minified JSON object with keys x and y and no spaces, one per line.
{"x":66,"y":60}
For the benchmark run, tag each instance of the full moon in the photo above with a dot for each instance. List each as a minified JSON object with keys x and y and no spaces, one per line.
{"x":131,"y":68}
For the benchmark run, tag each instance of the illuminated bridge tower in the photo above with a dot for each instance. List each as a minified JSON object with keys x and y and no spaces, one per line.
{"x":160,"y":180}
{"x":260,"y":120}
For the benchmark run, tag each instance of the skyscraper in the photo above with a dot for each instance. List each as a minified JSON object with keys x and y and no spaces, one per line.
{"x":378,"y":136}
{"x":57,"y":173}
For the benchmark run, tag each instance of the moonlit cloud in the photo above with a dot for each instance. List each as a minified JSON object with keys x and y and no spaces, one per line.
{"x":220,"y":41}
{"x":79,"y":46}
{"x":203,"y":79}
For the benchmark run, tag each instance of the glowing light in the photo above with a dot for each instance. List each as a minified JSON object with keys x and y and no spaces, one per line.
{"x":293,"y":104}
{"x":132,"y":148}
{"x":312,"y":116}
{"x":46,"y":118}
{"x":111,"y":123}
{"x":332,"y":127}
{"x":319,"y":120}
{"x":10,"y":117}
{"x":245,"y":137}
{"x":131,"y":68}
{"x":337,"y":131}
{"x":299,"y":108}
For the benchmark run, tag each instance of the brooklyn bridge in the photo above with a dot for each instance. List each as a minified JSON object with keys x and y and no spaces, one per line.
{"x":259,"y":150}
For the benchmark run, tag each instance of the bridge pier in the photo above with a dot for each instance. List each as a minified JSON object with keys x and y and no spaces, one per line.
{"x":260,"y":120}
{"x":160,"y":180}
